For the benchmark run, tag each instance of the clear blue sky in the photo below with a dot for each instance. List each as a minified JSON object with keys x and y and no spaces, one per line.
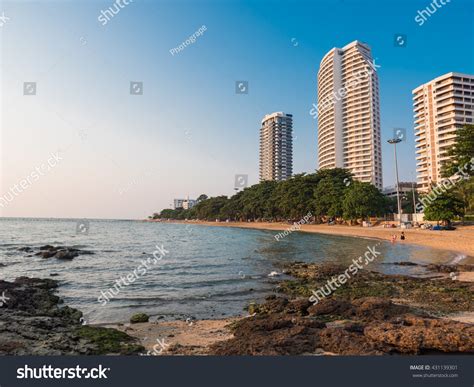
{"x":126,"y":156}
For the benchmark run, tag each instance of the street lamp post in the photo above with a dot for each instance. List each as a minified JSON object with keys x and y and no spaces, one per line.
{"x":395,"y":141}
{"x":414,"y":196}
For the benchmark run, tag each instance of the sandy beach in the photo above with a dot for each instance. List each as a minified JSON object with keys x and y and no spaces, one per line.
{"x":460,"y":240}
{"x":179,"y":337}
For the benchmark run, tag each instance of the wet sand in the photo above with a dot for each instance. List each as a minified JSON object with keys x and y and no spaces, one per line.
{"x":179,"y":337}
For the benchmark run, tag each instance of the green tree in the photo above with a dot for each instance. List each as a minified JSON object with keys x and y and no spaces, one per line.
{"x":210,"y":209}
{"x":232,"y":209}
{"x":330,"y":190}
{"x":202,"y":197}
{"x":255,"y":200}
{"x":362,"y":200}
{"x":464,"y":190}
{"x":444,"y":208}
{"x":168,"y":213}
{"x":294,"y":198}
{"x":461,"y":153}
{"x":461,"y":163}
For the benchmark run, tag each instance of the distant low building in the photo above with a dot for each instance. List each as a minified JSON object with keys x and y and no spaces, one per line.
{"x":189,"y":203}
{"x":405,"y":188}
{"x":184,"y":203}
{"x":178,"y":203}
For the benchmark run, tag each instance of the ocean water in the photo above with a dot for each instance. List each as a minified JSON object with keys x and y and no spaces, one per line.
{"x":208,"y":272}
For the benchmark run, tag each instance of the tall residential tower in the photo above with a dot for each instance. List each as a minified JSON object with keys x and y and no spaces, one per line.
{"x":349,"y":113}
{"x":276,"y":147}
{"x":440,"y":107}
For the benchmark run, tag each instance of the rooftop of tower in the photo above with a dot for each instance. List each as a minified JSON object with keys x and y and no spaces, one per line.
{"x":276,"y":114}
{"x":346,"y":47}
{"x":441,"y":77}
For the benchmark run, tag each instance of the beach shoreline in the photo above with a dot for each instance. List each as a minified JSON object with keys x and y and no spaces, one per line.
{"x":363,"y":317}
{"x":365,"y":312}
{"x":460,"y":241}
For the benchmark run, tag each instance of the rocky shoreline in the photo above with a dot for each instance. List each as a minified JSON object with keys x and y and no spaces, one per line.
{"x":371,"y":314}
{"x":33,"y":323}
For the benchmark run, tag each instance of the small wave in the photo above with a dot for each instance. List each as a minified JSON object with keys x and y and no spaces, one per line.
{"x":9,"y":263}
{"x":274,"y":274}
{"x":216,"y":282}
{"x":11,"y":246}
{"x":171,"y":269}
{"x":185,"y":300}
{"x":457,"y":259}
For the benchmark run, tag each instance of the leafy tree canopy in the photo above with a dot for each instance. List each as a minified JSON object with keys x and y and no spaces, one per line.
{"x":444,"y":207}
{"x":461,"y":153}
{"x":328,"y":192}
{"x":363,"y":200}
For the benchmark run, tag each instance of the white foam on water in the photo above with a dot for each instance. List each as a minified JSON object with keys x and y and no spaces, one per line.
{"x":458,"y":258}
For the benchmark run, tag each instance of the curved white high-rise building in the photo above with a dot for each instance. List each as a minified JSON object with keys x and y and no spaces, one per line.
{"x":276,"y":147}
{"x":349,"y":113}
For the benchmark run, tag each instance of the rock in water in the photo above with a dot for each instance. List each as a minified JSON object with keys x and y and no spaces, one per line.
{"x":59,"y":252}
{"x":66,"y":254}
{"x":139,"y":318}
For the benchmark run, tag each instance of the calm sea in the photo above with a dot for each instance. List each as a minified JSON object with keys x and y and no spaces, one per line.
{"x":209,"y":272}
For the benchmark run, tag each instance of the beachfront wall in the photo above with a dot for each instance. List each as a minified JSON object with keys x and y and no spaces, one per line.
{"x":419,"y":217}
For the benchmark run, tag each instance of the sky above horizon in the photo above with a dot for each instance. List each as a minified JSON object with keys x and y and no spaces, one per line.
{"x":126,"y":156}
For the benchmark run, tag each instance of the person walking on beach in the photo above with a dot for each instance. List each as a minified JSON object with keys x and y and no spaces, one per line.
{"x":402,"y":237}
{"x":394,"y":238}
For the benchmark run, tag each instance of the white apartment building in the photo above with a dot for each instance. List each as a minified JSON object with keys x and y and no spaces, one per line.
{"x":349,"y":113}
{"x":440,"y":107}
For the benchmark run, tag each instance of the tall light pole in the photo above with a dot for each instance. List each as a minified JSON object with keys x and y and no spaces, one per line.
{"x":395,"y":141}
{"x":414,"y":196}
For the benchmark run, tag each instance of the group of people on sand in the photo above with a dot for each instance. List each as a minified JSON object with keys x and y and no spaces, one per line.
{"x":394,"y":237}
